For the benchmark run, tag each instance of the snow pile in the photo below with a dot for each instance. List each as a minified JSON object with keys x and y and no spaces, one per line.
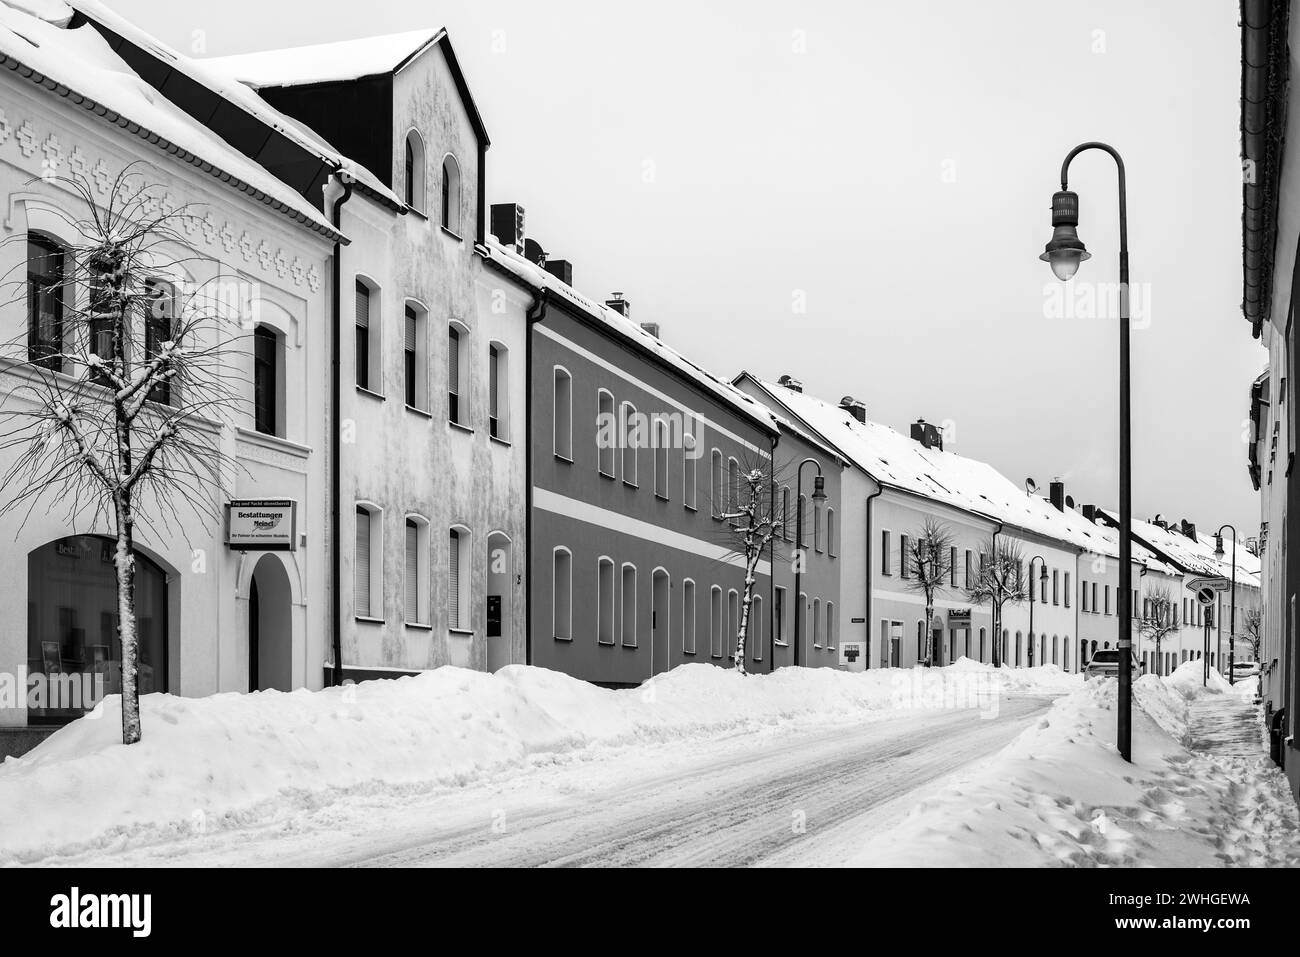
{"x":233,"y":760}
{"x":1060,"y":794}
{"x":1189,"y":680}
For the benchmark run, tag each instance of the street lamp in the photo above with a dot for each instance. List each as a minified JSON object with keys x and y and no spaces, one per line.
{"x":1232,"y":615}
{"x":1065,"y":252}
{"x":819,"y":495}
{"x":1032,"y":589}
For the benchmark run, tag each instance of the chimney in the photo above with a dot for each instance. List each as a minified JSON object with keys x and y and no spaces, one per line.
{"x":620,"y":305}
{"x":508,"y":225}
{"x":928,"y":435}
{"x":652,"y":328}
{"x":854,"y":407}
{"x":561,"y":269}
{"x":791,"y":383}
{"x":1189,"y":529}
{"x":1056,"y":494}
{"x":1090,"y":513}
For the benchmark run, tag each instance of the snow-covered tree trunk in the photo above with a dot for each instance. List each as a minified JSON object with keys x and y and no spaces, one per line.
{"x":124,"y":562}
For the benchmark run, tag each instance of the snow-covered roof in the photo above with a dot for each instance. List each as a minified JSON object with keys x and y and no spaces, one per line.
{"x":1196,"y":556}
{"x":209,"y":74}
{"x":81,"y":60}
{"x":327,"y":62}
{"x":538,"y":277}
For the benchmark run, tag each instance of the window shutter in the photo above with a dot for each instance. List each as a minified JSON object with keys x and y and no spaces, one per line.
{"x":412,"y":572}
{"x":361,"y":594}
{"x":410,"y":329}
{"x":493,"y":360}
{"x":453,"y":361}
{"x":453,"y":605}
{"x":363,"y":305}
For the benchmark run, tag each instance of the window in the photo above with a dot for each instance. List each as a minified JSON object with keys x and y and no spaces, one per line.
{"x":158,"y":324}
{"x":786,"y":531}
{"x":970,"y":577}
{"x":830,"y":624}
{"x":830,"y":532}
{"x":1056,"y":587}
{"x":415,"y":589}
{"x":562,"y":594}
{"x":451,"y":194}
{"x":458,"y":597}
{"x":362,"y":355}
{"x":1094,"y":598}
{"x":1106,"y":595}
{"x":456,"y":336}
{"x":46,"y":261}
{"x":801,"y":616}
{"x":629,"y":439}
{"x":801,"y":527}
{"x":778,"y":616}
{"x":1067,"y":589}
{"x":413,"y":173}
{"x":562,"y":415}
{"x":688,"y":617}
{"x":733,"y":485}
{"x":716,"y":485}
{"x":952,"y":566}
{"x":266,"y":381}
{"x":627,"y":597}
{"x":661,"y":458}
{"x":1083,"y":596}
{"x":733,"y":621}
{"x":408,"y":356}
{"x":755,"y":637}
{"x":606,"y":438}
{"x":884,"y":552}
{"x":605,"y":601}
{"x":715,"y":622}
{"x":72,"y":617}
{"x":498,"y":400}
{"x":689,"y":475}
{"x":903,"y":557}
{"x":367,"y":571}
{"x":817,"y":525}
{"x":1042,"y":586}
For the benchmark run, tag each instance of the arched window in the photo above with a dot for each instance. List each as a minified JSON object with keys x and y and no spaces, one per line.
{"x":562,"y":415}
{"x":415,"y":580}
{"x":605,"y":601}
{"x":413,"y":173}
{"x":688,"y":617}
{"x":830,"y":626}
{"x":816,"y":629}
{"x":733,"y":485}
{"x":159,"y":323}
{"x":46,"y":267}
{"x":733,"y":622}
{"x":268,"y":381}
{"x":414,"y":362}
{"x":690,"y":454}
{"x":562,"y":593}
{"x":982,"y":641}
{"x":72,"y":627}
{"x":754,"y":638}
{"x":627,"y":599}
{"x":717,"y":486}
{"x":459,"y":607}
{"x":451,"y":194}
{"x":606,"y":434}
{"x":630,"y":439}
{"x":787,"y":528}
{"x":715,"y":622}
{"x":367,"y":563}
{"x":830,"y":532}
{"x":457,"y":334}
{"x":1019,"y":648}
{"x":498,"y":394}
{"x":661,"y":458}
{"x":365,"y":353}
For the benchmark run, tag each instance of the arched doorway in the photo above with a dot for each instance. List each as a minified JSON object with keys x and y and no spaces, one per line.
{"x":500,"y":639}
{"x":270,"y":627}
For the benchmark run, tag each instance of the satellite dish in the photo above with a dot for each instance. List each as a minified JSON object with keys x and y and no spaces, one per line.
{"x":1030,"y":486}
{"x":1069,"y":501}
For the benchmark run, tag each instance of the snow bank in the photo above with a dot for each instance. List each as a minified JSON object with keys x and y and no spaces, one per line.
{"x":1060,"y":794}
{"x":232,"y":760}
{"x":1187,"y":680}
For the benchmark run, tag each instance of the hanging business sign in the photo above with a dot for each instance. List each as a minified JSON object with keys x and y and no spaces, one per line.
{"x":262,"y":524}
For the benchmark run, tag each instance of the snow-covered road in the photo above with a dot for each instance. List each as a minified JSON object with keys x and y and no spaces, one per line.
{"x":774,"y":797}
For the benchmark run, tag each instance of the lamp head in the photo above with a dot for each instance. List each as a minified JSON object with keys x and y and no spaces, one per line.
{"x":819,"y":489}
{"x":1065,"y":250}
{"x":1218,"y":544}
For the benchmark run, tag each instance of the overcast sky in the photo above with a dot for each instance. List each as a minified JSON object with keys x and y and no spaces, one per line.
{"x":890,"y":168}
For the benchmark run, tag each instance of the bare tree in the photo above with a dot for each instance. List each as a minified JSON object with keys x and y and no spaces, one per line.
{"x":119,"y":377}
{"x":1000,"y":579}
{"x":928,"y":564}
{"x":753,"y":519}
{"x":1251,"y":629}
{"x":1158,"y":621}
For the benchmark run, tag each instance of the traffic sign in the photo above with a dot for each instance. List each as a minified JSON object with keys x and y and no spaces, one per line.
{"x":1206,"y":595}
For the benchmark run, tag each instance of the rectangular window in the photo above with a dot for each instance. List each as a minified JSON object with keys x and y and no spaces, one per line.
{"x":970,"y":571}
{"x":884,"y":553}
{"x":361,"y":571}
{"x":1106,"y":596}
{"x":1056,"y":587}
{"x":605,"y":602}
{"x":408,"y":357}
{"x":562,"y":594}
{"x":1042,"y":586}
{"x":1083,"y":595}
{"x":688,"y":617}
{"x":265,"y":386}
{"x":786,"y":530}
{"x":362,"y":357}
{"x":904,"y":559}
{"x":1067,"y":589}
{"x":45,"y":267}
{"x":1094,"y":598}
{"x":952,"y":566}
{"x":453,"y":375}
{"x":161,"y":308}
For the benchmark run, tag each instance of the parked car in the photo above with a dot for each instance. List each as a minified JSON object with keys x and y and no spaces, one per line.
{"x":1106,"y":664}
{"x":1245,"y":669}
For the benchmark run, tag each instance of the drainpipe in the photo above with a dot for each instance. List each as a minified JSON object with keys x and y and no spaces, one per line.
{"x":336,"y":423}
{"x":536,"y":313}
{"x":997,"y":613}
{"x":867,"y":612}
{"x":771,"y":561}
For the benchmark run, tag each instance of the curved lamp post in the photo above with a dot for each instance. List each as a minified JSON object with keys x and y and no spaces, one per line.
{"x":1232,"y":616}
{"x":819,"y":495}
{"x":1064,"y":253}
{"x":1033,"y":588}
